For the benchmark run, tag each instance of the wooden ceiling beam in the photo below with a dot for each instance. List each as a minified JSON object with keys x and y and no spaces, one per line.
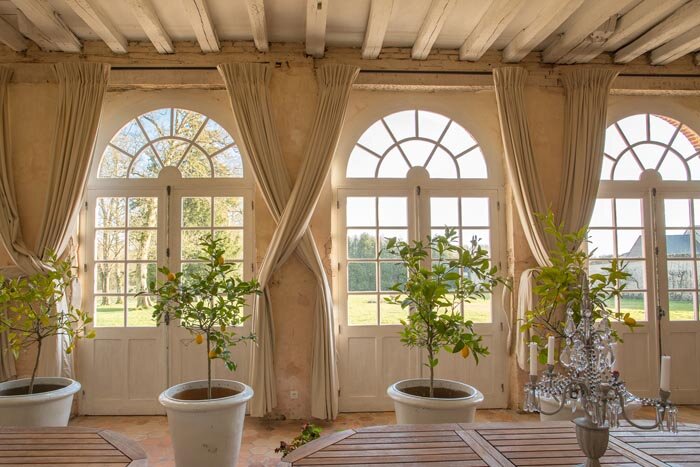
{"x":592,"y":45}
{"x":256,"y":13}
{"x":198,"y":14}
{"x":550,"y":17}
{"x":150,"y":23}
{"x":676,"y":48}
{"x":640,"y":19}
{"x":581,"y":24}
{"x":100,"y":23}
{"x":496,"y":18}
{"x":316,"y":14}
{"x":681,"y":21}
{"x":32,"y":32}
{"x":429,"y":31}
{"x":45,"y":19}
{"x":11,"y":37}
{"x":377,"y":24}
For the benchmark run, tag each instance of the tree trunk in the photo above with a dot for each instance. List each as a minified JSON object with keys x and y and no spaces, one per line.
{"x":432,"y":373}
{"x":36,"y":366}
{"x":208,"y":369}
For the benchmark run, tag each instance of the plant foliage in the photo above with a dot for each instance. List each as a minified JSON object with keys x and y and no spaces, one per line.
{"x":308,"y":433}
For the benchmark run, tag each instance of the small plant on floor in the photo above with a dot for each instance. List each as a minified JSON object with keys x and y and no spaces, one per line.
{"x":441,"y":276}
{"x":209,"y":302}
{"x":560,"y":284}
{"x":308,"y":433}
{"x":30,"y":310}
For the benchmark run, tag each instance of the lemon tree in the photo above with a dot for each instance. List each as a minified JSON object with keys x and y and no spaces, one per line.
{"x":209,"y":302}
{"x":30,"y":312}
{"x":441,"y":276}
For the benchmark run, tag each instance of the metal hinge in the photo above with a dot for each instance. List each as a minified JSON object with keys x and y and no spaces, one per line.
{"x":252,"y":267}
{"x":418,"y":190}
{"x":661,"y":312}
{"x":337,"y":204}
{"x":498,"y":205}
{"x":252,"y":205}
{"x":166,"y":318}
{"x":503,"y":389}
{"x":340,"y":329}
{"x":167,"y":189}
{"x":501,"y":326}
{"x":86,"y":205}
{"x":338,"y":266}
{"x":656,"y":250}
{"x":85,"y":267}
{"x":653,"y":191}
{"x":167,"y":252}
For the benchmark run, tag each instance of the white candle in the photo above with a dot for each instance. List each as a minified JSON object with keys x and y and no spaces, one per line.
{"x":550,"y":350}
{"x":665,"y":373}
{"x":533,"y":359}
{"x":616,"y":356}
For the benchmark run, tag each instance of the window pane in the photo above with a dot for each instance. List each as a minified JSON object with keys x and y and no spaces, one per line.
{"x":192,"y":268}
{"x":156,"y":123}
{"x":677,"y":212}
{"x":187,"y":123}
{"x":384,"y":235}
{"x":146,"y":165}
{"x":680,"y":306}
{"x":139,"y":275}
{"x":637,"y":280}
{"x":482,"y":236}
{"x":678,"y":244}
{"x":634,"y":304}
{"x":109,"y":278}
{"x":228,"y":212}
{"x":130,"y":138}
{"x":390,"y":314}
{"x":110,"y":212}
{"x":195,"y":164}
{"x":376,"y":138}
{"x":196,"y":212}
{"x":629,"y":212}
{"x":361,"y":164}
{"x":391,"y":273}
{"x":402,"y":124}
{"x":479,"y":310}
{"x":171,"y":151}
{"x":139,"y":311}
{"x":457,"y":139}
{"x":228,"y":163}
{"x":109,"y":245}
{"x":601,"y":243}
{"x":362,"y":309}
{"x":417,"y":151}
{"x":602,"y":213}
{"x":109,"y":311}
{"x":444,"y":212}
{"x":630,"y":244}
{"x":475,"y":212}
{"x":213,"y":137}
{"x":442,"y":165}
{"x":680,"y":275}
{"x":361,"y":211}
{"x":362,"y":277}
{"x":142,"y":245}
{"x":362,"y":244}
{"x":431,"y":125}
{"x":393,"y":165}
{"x":191,"y":243}
{"x":143,"y":212}
{"x":232,"y":243}
{"x":392,"y":212}
{"x":114,"y":164}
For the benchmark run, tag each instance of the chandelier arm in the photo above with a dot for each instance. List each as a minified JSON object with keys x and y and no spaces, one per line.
{"x":564,"y":398}
{"x":624,"y":414}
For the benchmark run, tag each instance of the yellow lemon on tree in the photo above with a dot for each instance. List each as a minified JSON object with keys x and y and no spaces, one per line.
{"x":199,"y":339}
{"x":465,"y":352}
{"x":220,"y":260}
{"x":223,"y":327}
{"x":629,"y":321}
{"x":171,"y":276}
{"x":212,"y":354}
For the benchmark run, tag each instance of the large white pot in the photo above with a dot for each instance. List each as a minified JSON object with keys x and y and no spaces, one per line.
{"x":51,"y":408}
{"x":415,"y":409}
{"x":206,"y":432}
{"x":549,"y":404}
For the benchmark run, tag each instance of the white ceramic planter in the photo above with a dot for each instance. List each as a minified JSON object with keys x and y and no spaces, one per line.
{"x":549,"y":404}
{"x":206,"y":432}
{"x":50,"y":408}
{"x":414,"y":409}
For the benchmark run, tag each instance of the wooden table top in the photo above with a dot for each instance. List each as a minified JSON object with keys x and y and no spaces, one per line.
{"x":495,"y":444}
{"x":68,"y":446}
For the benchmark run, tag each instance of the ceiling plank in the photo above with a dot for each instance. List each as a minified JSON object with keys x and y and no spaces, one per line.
{"x":496,"y":18}
{"x":682,"y":20}
{"x":551,"y":16}
{"x":581,"y":24}
{"x":697,"y":59}
{"x":377,"y":23}
{"x":640,"y":19}
{"x":675,"y":49}
{"x":150,"y":23}
{"x":100,"y":23}
{"x":592,"y":45}
{"x":11,"y":37}
{"x":198,"y":14}
{"x":429,"y":31}
{"x":45,"y":19}
{"x":256,"y":13}
{"x":316,"y":14}
{"x":32,"y":32}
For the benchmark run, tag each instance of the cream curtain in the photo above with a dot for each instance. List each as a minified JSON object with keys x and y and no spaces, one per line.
{"x":81,"y":88}
{"x":248,"y":87}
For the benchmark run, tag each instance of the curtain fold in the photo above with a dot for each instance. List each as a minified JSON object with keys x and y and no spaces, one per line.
{"x":248,"y":87}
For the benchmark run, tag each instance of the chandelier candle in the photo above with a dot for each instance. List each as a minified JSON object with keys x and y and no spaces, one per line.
{"x":550,"y":350}
{"x":533,"y":359}
{"x":665,"y":383}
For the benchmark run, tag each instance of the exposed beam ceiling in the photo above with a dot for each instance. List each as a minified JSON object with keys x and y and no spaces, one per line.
{"x":640,"y":19}
{"x":683,"y":19}
{"x":94,"y":17}
{"x":591,"y":46}
{"x":45,"y":19}
{"x":676,"y":48}
{"x":198,"y":14}
{"x":496,"y":18}
{"x":550,"y":17}
{"x":32,"y":32}
{"x":11,"y":37}
{"x":582,"y":23}
{"x":429,"y":31}
{"x":316,"y":14}
{"x":256,"y":13}
{"x":378,"y":21}
{"x":150,"y":23}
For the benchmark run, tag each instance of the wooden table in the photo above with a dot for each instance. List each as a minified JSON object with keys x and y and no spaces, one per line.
{"x":68,"y":446}
{"x":494,"y":444}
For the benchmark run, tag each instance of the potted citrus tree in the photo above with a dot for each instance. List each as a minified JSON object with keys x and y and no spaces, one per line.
{"x":30,"y":312}
{"x":206,"y":417}
{"x":441,"y":276}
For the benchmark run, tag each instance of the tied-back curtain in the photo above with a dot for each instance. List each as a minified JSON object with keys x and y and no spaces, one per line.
{"x":81,"y":88}
{"x":248,"y":87}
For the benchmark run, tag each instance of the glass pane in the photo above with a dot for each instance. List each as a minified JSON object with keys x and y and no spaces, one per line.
{"x":661,"y":130}
{"x":444,"y":212}
{"x":213,"y":137}
{"x":696,"y":211}
{"x":614,"y":143}
{"x":417,"y":151}
{"x":392,"y":212}
{"x":431,"y":125}
{"x":384,"y":235}
{"x":601,"y":243}
{"x":391,"y":273}
{"x":637,"y":280}
{"x":110,"y":212}
{"x":130,"y":138}
{"x":109,"y":278}
{"x":678,"y":244}
{"x":634,"y":128}
{"x":113,"y":164}
{"x":673,"y":168}
{"x":627,"y":168}
{"x":192,"y":268}
{"x":196,"y":212}
{"x":683,"y":144}
{"x":191,"y":243}
{"x":393,"y":165}
{"x":390,"y":313}
{"x":139,"y":275}
{"x":680,"y":275}
{"x":109,"y":311}
{"x":482,"y":236}
{"x":376,"y":138}
{"x":677,"y":212}
{"x":602,"y":213}
{"x":630,"y":244}
{"x":629,"y":212}
{"x":402,"y":124}
{"x":228,"y":163}
{"x":597,"y":267}
{"x":442,"y":165}
{"x":187,"y":123}
{"x":362,"y":277}
{"x":143,"y":212}
{"x":473,"y":165}
{"x":362,"y":244}
{"x":228,"y":212}
{"x":146,"y":165}
{"x":171,"y":151}
{"x":457,"y":140}
{"x":649,"y":154}
{"x":232,"y":243}
{"x":475,"y":212}
{"x":109,"y":245}
{"x":479,"y":310}
{"x":139,"y":311}
{"x":156,"y":123}
{"x":680,"y":306}
{"x":361,"y":164}
{"x":142,"y":245}
{"x":195,"y":165}
{"x":361,"y":212}
{"x":362,"y":309}
{"x":634,"y":304}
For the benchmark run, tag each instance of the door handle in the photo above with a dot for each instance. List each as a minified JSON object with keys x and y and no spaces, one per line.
{"x":660,"y":312}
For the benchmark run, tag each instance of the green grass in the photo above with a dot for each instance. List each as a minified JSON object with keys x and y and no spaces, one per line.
{"x":678,"y":310}
{"x":362,"y":310}
{"x":113,"y":316}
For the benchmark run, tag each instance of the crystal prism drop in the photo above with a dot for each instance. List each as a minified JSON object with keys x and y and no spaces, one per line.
{"x":565,"y":356}
{"x":570,"y":328}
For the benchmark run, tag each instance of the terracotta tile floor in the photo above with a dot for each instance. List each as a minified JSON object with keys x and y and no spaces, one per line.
{"x":262,"y":436}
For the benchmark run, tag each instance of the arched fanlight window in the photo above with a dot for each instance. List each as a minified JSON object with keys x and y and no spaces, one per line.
{"x":393,"y":145}
{"x":191,"y":142}
{"x":651,"y":142}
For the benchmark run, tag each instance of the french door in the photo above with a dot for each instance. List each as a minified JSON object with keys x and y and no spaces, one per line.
{"x":133,"y":232}
{"x":371,"y":354}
